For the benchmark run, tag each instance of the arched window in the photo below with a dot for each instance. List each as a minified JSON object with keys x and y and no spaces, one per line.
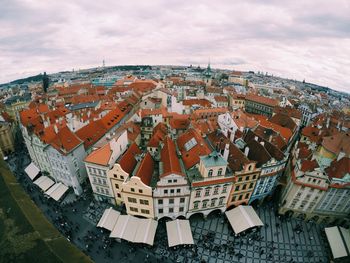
{"x":220,"y":172}
{"x":210,"y":173}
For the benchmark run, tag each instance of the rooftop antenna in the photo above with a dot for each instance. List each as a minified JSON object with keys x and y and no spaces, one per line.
{"x":103,"y":63}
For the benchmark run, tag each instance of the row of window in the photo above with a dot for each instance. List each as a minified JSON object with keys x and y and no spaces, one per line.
{"x":136,"y":210}
{"x":97,"y":180}
{"x":240,"y":197}
{"x":172,"y":191}
{"x":102,"y":190}
{"x":208,"y":203}
{"x":244,"y":187}
{"x":207,"y":191}
{"x":210,"y":172}
{"x":171,"y":201}
{"x":97,"y":171}
{"x":171,"y":210}
{"x":134,"y":200}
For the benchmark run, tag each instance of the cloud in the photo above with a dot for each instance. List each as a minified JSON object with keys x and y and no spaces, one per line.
{"x":305,"y":40}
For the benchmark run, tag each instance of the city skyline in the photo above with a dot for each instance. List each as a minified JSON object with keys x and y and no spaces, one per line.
{"x":307,"y":41}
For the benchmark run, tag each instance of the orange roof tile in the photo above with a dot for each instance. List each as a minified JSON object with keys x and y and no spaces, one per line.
{"x":100,"y":156}
{"x":171,"y":163}
{"x":190,"y":156}
{"x":128,"y":161}
{"x":146,"y":169}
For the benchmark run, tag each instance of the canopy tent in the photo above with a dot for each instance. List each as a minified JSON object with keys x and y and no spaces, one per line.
{"x":32,"y":170}
{"x":109,"y":219}
{"x":44,"y":182}
{"x":179,"y":232}
{"x":339,"y":241}
{"x":135,"y":229}
{"x":242,"y":218}
{"x":57,"y":191}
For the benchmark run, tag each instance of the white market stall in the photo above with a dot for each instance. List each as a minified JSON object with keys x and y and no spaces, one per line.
{"x":339,"y":241}
{"x":32,"y":171}
{"x":57,"y":191}
{"x":44,"y":182}
{"x":109,"y":219}
{"x":179,"y":233}
{"x":136,"y":230}
{"x":242,"y":218}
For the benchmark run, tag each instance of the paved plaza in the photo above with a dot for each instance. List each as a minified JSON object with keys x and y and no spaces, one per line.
{"x":280,"y":240}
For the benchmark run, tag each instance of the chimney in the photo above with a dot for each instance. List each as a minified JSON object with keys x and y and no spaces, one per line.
{"x":327,"y":124}
{"x":270,"y":138}
{"x":256,"y":138}
{"x":55,"y":128}
{"x":246,"y":151}
{"x":232,"y":136}
{"x":227,"y":151}
{"x":262,"y":143}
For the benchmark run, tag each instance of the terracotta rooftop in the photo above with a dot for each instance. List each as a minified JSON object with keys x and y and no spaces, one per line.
{"x":308,"y":165}
{"x":146,"y":169}
{"x":338,"y":169}
{"x":236,"y":159}
{"x":100,"y":156}
{"x":191,"y":146}
{"x":201,"y":102}
{"x":286,"y":133}
{"x":128,"y":161}
{"x":337,"y":143}
{"x":284,"y":121}
{"x":262,"y":100}
{"x":171,"y":163}
{"x":65,"y":140}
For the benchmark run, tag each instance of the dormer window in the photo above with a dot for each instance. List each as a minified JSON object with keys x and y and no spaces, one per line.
{"x":220,"y":172}
{"x":210,"y":173}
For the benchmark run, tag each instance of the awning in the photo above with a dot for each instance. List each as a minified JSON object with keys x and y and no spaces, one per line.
{"x":242,"y":218}
{"x":135,"y":229}
{"x":339,"y":241}
{"x":44,"y":182}
{"x":57,"y":191}
{"x":109,"y":219}
{"x":32,"y":170}
{"x":179,"y":233}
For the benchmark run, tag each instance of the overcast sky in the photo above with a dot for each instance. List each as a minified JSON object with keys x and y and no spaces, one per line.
{"x":308,"y":41}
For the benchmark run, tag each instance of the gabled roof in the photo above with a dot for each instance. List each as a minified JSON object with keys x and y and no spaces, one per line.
{"x":213,"y":159}
{"x":146,"y":169}
{"x":262,"y":100}
{"x":100,"y":156}
{"x":337,"y":143}
{"x":308,"y":165}
{"x":236,"y":158}
{"x":171,"y":163}
{"x":284,"y":121}
{"x":65,"y":140}
{"x":128,"y":161}
{"x":338,"y":169}
{"x":286,"y":133}
{"x":91,"y":133}
{"x":191,"y":152}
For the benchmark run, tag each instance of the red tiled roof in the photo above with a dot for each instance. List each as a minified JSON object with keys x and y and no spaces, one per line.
{"x":91,"y":133}
{"x":128,"y":161}
{"x":191,"y":157}
{"x":65,"y":140}
{"x":171,"y":163}
{"x":146,"y":169}
{"x":262,"y":100}
{"x":100,"y":156}
{"x":337,"y":143}
{"x":284,"y":121}
{"x":338,"y":169}
{"x":201,"y":102}
{"x":308,"y":165}
{"x":286,"y":133}
{"x":220,"y":98}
